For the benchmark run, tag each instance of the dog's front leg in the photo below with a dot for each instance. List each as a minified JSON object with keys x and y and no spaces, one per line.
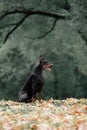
{"x":39,"y":96}
{"x":33,"y":94}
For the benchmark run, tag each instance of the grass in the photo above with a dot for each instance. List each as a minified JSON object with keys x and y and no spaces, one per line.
{"x":69,"y":114}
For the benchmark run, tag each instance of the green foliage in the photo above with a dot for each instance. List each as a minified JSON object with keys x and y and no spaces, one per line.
{"x":65,"y":46}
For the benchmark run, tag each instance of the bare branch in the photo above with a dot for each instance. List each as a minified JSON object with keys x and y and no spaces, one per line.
{"x":49,"y":14}
{"x":43,"y":35}
{"x":33,"y":12}
{"x":15,"y":10}
{"x":6,"y":13}
{"x":17,"y":25}
{"x":7,"y":25}
{"x":28,"y":12}
{"x":83,"y":37}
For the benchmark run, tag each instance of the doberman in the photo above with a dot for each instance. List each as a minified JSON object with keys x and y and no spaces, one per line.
{"x":34,"y":83}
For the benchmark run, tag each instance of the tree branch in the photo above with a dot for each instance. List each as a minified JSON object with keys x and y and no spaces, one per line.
{"x":83,"y":37}
{"x":33,"y":12}
{"x":43,"y":35}
{"x":28,"y":12}
{"x":18,"y":9}
{"x":15,"y":11}
{"x":17,"y":25}
{"x":7,"y":25}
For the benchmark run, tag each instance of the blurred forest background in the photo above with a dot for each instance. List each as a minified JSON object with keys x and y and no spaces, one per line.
{"x":56,"y":28}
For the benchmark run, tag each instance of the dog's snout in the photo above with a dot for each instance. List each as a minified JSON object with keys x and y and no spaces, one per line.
{"x":51,"y":65}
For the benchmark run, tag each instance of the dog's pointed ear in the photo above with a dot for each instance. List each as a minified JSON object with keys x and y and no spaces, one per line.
{"x":41,"y":58}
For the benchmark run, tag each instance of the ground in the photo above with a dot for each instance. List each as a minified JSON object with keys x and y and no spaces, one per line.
{"x":69,"y":114}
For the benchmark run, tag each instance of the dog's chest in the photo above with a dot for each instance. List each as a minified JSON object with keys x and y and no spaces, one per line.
{"x":40,"y":80}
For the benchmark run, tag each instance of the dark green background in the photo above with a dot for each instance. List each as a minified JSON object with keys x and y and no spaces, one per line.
{"x":64,"y":45}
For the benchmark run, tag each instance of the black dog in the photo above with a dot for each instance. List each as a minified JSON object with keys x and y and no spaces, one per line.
{"x":34,"y":83}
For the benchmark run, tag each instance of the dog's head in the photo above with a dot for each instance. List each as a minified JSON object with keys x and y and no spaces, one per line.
{"x":45,"y":64}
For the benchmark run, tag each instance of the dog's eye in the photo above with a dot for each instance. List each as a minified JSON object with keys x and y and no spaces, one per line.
{"x":45,"y":62}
